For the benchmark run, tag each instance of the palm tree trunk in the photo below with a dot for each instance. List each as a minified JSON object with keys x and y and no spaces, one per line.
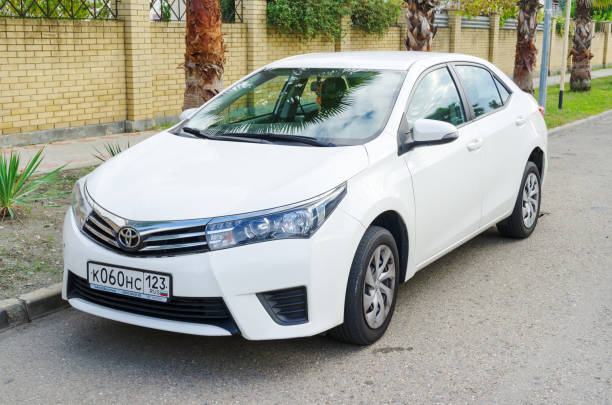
{"x":204,"y":54}
{"x":580,"y":79}
{"x":525,"y":57}
{"x":420,"y":29}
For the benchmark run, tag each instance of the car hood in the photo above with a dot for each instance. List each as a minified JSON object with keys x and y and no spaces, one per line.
{"x":169,"y":177}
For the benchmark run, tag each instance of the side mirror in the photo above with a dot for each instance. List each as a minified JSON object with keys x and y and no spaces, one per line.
{"x":188,"y":113}
{"x":433,"y":132}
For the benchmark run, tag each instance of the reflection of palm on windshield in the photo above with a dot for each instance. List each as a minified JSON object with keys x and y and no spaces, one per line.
{"x":338,"y":106}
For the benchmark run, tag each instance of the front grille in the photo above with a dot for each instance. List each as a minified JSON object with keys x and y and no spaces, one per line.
{"x":158,"y":239}
{"x":286,"y":307}
{"x":209,"y":311}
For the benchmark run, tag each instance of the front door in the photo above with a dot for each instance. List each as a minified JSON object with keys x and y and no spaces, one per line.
{"x":446,"y":178}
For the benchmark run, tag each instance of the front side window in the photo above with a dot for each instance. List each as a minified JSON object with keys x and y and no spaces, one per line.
{"x":436,"y":98}
{"x":334,"y":106}
{"x":480,"y":88}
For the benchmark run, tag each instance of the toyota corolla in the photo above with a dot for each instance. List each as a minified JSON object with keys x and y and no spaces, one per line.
{"x":296,"y":201}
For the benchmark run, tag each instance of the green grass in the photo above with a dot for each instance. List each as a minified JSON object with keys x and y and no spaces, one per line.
{"x":577,"y":105}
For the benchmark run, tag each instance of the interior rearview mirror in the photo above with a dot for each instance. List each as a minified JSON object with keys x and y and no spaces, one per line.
{"x":188,"y":113}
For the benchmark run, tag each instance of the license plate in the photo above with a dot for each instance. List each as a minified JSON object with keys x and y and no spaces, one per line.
{"x":134,"y":283}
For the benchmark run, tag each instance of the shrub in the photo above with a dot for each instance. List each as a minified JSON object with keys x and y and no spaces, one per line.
{"x":506,"y":8}
{"x":375,"y":16}
{"x":19,"y":187}
{"x":308,"y":19}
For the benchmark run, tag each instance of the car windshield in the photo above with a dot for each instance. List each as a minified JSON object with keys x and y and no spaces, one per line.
{"x":332,"y":106}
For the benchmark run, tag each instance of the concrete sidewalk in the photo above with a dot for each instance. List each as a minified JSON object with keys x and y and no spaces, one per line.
{"x":75,"y":153}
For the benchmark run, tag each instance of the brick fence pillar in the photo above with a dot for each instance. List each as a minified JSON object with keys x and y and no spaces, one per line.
{"x":403,"y":26}
{"x":257,"y":37}
{"x":454,"y":23}
{"x":138,"y":72}
{"x":344,"y":44}
{"x":493,"y":37}
{"x":605,"y":26}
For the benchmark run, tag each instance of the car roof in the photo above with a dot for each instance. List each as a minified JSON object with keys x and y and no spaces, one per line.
{"x":396,"y":60}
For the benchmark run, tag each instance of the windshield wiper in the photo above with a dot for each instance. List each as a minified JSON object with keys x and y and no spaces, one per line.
{"x":221,"y":137}
{"x":278,"y":137}
{"x":196,"y":132}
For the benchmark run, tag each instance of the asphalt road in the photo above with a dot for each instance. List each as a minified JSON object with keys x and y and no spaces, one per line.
{"x":495,"y":321}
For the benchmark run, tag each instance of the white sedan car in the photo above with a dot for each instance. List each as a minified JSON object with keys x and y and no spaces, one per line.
{"x":295,"y":202}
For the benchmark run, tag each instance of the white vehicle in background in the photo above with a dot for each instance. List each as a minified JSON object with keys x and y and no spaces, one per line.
{"x":297,"y":200}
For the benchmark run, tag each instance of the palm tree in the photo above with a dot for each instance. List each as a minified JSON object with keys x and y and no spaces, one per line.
{"x":580,"y":80}
{"x":205,"y":52}
{"x":525,"y":57}
{"x":420,"y":29}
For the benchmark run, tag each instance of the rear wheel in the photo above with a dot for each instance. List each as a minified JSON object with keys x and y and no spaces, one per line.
{"x":524,"y":218}
{"x":371,"y":290}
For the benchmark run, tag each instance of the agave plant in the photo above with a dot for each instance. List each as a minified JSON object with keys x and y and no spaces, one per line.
{"x":110,"y":150}
{"x":20,"y":187}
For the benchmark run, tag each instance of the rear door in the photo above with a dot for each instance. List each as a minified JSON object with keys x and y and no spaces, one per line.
{"x":496,"y":122}
{"x":446,"y":178}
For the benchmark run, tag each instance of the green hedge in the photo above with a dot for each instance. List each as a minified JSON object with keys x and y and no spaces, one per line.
{"x":308,"y":19}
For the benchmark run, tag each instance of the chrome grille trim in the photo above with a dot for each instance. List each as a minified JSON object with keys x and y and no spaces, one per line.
{"x":177,"y":236}
{"x":103,"y":227}
{"x":99,"y":235}
{"x":158,"y":238}
{"x":176,"y":246}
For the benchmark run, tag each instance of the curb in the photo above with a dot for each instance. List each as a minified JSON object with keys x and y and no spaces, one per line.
{"x":572,"y":124}
{"x":30,"y":306}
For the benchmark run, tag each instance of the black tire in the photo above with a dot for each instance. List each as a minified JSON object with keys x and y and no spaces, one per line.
{"x":355,"y":328}
{"x":514,"y":226}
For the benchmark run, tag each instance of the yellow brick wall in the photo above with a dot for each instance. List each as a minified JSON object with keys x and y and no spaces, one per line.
{"x":441,"y":41}
{"x":57,"y":73}
{"x":475,"y":42}
{"x":597,"y":48}
{"x":390,"y":41}
{"x":168,"y":54}
{"x":279,"y":46}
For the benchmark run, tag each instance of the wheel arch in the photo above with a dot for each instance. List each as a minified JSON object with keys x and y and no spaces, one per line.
{"x":538,"y":158}
{"x":393,"y":222}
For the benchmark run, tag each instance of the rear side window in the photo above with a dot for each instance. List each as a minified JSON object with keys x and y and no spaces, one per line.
{"x":436,"y":98}
{"x":480,"y":88}
{"x":503,"y":92}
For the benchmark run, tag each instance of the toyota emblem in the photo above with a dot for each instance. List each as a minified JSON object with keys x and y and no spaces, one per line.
{"x":129,"y":238}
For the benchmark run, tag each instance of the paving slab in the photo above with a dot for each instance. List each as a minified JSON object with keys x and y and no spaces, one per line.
{"x":75,"y":153}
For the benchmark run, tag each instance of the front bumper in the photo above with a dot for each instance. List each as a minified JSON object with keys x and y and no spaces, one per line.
{"x":237,"y":275}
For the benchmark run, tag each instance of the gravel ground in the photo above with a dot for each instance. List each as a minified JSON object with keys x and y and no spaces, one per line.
{"x":495,"y":321}
{"x":31,"y":244}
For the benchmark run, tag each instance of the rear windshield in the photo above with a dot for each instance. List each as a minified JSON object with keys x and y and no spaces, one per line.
{"x":335,"y":106}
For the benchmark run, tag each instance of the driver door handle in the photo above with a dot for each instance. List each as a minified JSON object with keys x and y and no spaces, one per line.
{"x":474,"y":144}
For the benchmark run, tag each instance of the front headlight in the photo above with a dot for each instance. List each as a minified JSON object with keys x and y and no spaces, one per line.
{"x":294,"y":221}
{"x":80,"y":207}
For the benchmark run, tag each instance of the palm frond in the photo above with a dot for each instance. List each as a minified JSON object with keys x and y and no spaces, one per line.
{"x":19,"y":187}
{"x":109,"y":150}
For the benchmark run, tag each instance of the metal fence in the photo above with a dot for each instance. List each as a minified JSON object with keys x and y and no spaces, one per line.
{"x":174,"y":10}
{"x":475,"y":22}
{"x":512,"y":24}
{"x":60,"y":9}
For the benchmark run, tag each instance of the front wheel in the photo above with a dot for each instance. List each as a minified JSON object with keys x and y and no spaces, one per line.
{"x":371,"y":290}
{"x":524,"y":218}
